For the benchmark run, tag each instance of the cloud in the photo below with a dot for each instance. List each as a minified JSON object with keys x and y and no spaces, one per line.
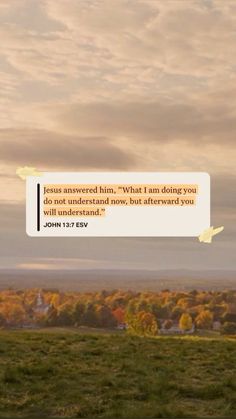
{"x":132,"y":47}
{"x":176,"y":37}
{"x":223,"y":194}
{"x":123,"y":85}
{"x":145,"y":253}
{"x":158,"y":121}
{"x":8,"y":84}
{"x":175,"y":56}
{"x":44,"y":149}
{"x":12,"y":216}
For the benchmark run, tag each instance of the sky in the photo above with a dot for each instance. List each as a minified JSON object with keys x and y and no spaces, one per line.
{"x":117,"y":85}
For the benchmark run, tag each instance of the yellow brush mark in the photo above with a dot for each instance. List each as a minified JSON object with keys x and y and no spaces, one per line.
{"x":206,"y":236}
{"x":25,"y":171}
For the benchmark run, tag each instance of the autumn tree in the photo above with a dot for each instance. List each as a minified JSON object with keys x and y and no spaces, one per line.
{"x":52,"y":317}
{"x":105,"y":316}
{"x":89,"y":317}
{"x":13,"y":313}
{"x":2,"y":320}
{"x":185,"y":322}
{"x":78,"y":314}
{"x":55,"y":300}
{"x":229,"y":317}
{"x":204,"y":320}
{"x":176,"y":313}
{"x":65,"y":315}
{"x":186,"y":302}
{"x":143,"y":324}
{"x":119,"y":315}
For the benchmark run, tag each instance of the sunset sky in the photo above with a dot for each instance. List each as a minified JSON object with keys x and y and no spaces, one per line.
{"x":117,"y":85}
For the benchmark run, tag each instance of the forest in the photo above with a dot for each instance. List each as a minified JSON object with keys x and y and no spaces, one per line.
{"x":141,"y":313}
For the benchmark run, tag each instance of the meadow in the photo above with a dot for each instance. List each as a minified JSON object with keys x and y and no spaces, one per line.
{"x":63,"y":373}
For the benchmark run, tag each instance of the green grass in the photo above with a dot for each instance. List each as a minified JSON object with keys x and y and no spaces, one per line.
{"x":76,"y":375}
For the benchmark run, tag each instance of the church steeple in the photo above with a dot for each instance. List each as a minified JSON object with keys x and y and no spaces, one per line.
{"x":41,"y":307}
{"x":39,"y":299}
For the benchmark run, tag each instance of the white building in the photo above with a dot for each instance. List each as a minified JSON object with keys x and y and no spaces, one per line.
{"x":41,"y":307}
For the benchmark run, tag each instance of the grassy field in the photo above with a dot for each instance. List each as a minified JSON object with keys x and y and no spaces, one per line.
{"x":63,"y":374}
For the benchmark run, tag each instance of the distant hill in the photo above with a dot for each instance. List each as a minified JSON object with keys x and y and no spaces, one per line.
{"x":95,"y":280}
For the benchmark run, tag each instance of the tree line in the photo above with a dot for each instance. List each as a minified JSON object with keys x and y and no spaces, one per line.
{"x":143,"y":313}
